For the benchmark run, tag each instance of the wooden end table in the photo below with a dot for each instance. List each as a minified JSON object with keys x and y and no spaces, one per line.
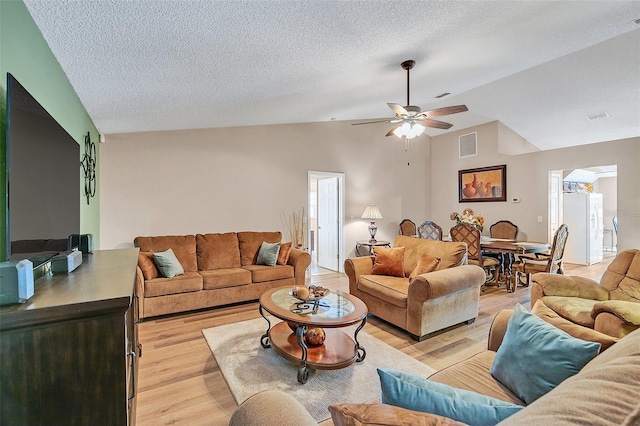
{"x":370,"y":245}
{"x":332,"y":312}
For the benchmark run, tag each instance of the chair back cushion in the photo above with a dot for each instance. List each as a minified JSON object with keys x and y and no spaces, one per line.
{"x":407,"y":227}
{"x":450,"y":253}
{"x":622,"y":277}
{"x":504,"y":229}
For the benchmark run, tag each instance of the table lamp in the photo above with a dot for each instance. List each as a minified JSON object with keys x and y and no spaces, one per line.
{"x":372,"y":213}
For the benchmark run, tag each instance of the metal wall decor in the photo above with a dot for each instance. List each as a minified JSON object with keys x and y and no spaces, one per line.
{"x":88,"y":164}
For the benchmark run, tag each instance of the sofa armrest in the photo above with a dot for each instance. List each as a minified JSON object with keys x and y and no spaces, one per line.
{"x":498,"y":329}
{"x":445,"y":281}
{"x":384,"y":414}
{"x":546,"y":284}
{"x":629,"y":312}
{"x":356,"y":266}
{"x":300,"y":260}
{"x":271,"y":407}
{"x":139,"y":292}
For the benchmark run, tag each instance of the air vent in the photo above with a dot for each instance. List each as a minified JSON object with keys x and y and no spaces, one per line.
{"x":597,"y":116}
{"x":468,"y":146}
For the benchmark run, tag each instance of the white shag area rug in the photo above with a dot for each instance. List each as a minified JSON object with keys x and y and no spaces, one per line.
{"x":248,"y":368}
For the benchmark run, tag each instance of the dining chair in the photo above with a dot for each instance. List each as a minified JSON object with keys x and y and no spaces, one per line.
{"x":430,"y":231}
{"x":503,"y":229}
{"x":551,"y":262}
{"x":466,"y":233}
{"x":407,"y":227}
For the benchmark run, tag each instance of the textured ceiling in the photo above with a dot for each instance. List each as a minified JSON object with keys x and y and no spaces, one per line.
{"x":539,"y":67}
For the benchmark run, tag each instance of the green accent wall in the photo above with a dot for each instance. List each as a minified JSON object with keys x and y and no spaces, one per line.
{"x":26,"y":55}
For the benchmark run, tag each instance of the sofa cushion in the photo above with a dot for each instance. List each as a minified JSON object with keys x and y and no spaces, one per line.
{"x":605,"y":392}
{"x":188,"y":282}
{"x":392,"y":290}
{"x":450,"y":253}
{"x":183,"y":246}
{"x":535,"y":356}
{"x":147,"y":266}
{"x":219,"y":278}
{"x":217,"y":251}
{"x":261,"y":273}
{"x":168,"y":264}
{"x":268,"y":254}
{"x":388,"y":261}
{"x":574,"y":309}
{"x":426,"y":263}
{"x":383,"y":414}
{"x":250,"y":243}
{"x":419,"y":394}
{"x":283,"y":255}
{"x":473,"y":374}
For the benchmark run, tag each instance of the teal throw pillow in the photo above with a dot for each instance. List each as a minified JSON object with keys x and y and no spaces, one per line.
{"x":268,"y":254}
{"x":167,"y":263}
{"x":419,"y":394}
{"x":535,"y":356}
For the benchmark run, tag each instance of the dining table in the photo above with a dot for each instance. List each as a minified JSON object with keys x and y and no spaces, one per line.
{"x":512,"y":248}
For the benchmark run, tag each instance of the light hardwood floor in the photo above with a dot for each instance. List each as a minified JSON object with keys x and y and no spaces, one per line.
{"x":179,"y":382}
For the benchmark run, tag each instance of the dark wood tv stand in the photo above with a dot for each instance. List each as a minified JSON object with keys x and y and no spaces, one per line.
{"x":68,"y":355}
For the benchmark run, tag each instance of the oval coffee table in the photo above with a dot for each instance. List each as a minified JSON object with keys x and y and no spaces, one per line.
{"x":332,"y":312}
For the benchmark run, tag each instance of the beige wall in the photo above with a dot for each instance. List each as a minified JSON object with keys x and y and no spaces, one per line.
{"x":233,"y":179}
{"x":527,"y":177}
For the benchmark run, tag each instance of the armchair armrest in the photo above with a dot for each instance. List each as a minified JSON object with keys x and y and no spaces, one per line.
{"x":445,"y":281}
{"x":498,"y":329}
{"x":629,"y":312}
{"x":139,"y":292}
{"x":546,"y":284}
{"x":300,"y":260}
{"x":356,"y":266}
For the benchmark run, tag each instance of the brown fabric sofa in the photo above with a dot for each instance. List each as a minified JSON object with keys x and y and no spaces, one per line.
{"x":219,"y":269}
{"x":431,"y":301}
{"x":604,"y":392}
{"x":599,"y":312}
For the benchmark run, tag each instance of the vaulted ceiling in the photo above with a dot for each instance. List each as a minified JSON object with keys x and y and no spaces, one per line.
{"x":540,"y":67}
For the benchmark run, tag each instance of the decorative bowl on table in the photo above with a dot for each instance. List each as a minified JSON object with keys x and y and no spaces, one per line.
{"x":309,"y":294}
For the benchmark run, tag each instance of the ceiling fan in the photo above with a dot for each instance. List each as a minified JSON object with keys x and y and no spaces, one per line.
{"x":410,"y":120}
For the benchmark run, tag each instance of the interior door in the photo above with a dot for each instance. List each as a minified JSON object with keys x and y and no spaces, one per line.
{"x":555,"y":202}
{"x":328,"y":223}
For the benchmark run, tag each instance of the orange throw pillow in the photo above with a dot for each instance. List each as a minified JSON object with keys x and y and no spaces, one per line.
{"x":283,"y":255}
{"x":145,"y":262}
{"x":388,"y":261}
{"x":425,"y":264}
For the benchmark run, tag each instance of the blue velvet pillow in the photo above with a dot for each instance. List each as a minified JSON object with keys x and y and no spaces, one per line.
{"x":268,"y":254}
{"x":167,"y":263}
{"x":535,"y":356}
{"x":418,"y":394}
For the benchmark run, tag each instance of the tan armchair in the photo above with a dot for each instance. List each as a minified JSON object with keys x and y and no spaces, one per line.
{"x":431,"y":301}
{"x":595,"y":311}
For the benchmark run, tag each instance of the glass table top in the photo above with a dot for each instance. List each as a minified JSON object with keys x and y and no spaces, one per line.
{"x":332,"y":306}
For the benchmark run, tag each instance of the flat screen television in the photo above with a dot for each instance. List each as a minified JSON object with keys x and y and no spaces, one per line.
{"x":43,"y":179}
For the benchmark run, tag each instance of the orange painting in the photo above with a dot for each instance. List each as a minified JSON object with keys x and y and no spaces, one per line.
{"x":483,"y":184}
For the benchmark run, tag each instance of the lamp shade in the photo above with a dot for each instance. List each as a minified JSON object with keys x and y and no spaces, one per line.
{"x":372,"y":212}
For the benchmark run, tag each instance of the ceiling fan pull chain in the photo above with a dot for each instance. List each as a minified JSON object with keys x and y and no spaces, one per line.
{"x":406,"y":144}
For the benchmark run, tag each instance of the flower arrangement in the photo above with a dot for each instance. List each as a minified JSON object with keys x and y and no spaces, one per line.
{"x":295,"y":227}
{"x":468,"y":216}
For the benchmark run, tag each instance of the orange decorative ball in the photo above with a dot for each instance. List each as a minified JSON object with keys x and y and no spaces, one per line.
{"x":315,"y":336}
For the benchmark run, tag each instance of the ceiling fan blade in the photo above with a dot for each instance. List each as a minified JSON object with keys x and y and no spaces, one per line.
{"x":434,"y":123}
{"x":371,"y":122}
{"x":392,"y":130}
{"x":398,"y":109}
{"x":438,"y":112}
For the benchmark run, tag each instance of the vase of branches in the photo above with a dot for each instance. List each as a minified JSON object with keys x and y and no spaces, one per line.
{"x":294,"y":224}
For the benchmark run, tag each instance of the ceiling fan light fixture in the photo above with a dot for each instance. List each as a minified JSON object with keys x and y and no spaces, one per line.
{"x":409,"y":130}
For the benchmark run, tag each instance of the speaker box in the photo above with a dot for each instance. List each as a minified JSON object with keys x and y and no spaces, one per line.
{"x":16,"y":282}
{"x":84,"y":242}
{"x":66,"y":262}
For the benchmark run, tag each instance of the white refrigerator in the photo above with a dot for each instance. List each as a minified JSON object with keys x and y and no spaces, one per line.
{"x":583,"y":214}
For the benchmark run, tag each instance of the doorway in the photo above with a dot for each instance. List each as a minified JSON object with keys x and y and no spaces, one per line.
{"x":326,"y":223}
